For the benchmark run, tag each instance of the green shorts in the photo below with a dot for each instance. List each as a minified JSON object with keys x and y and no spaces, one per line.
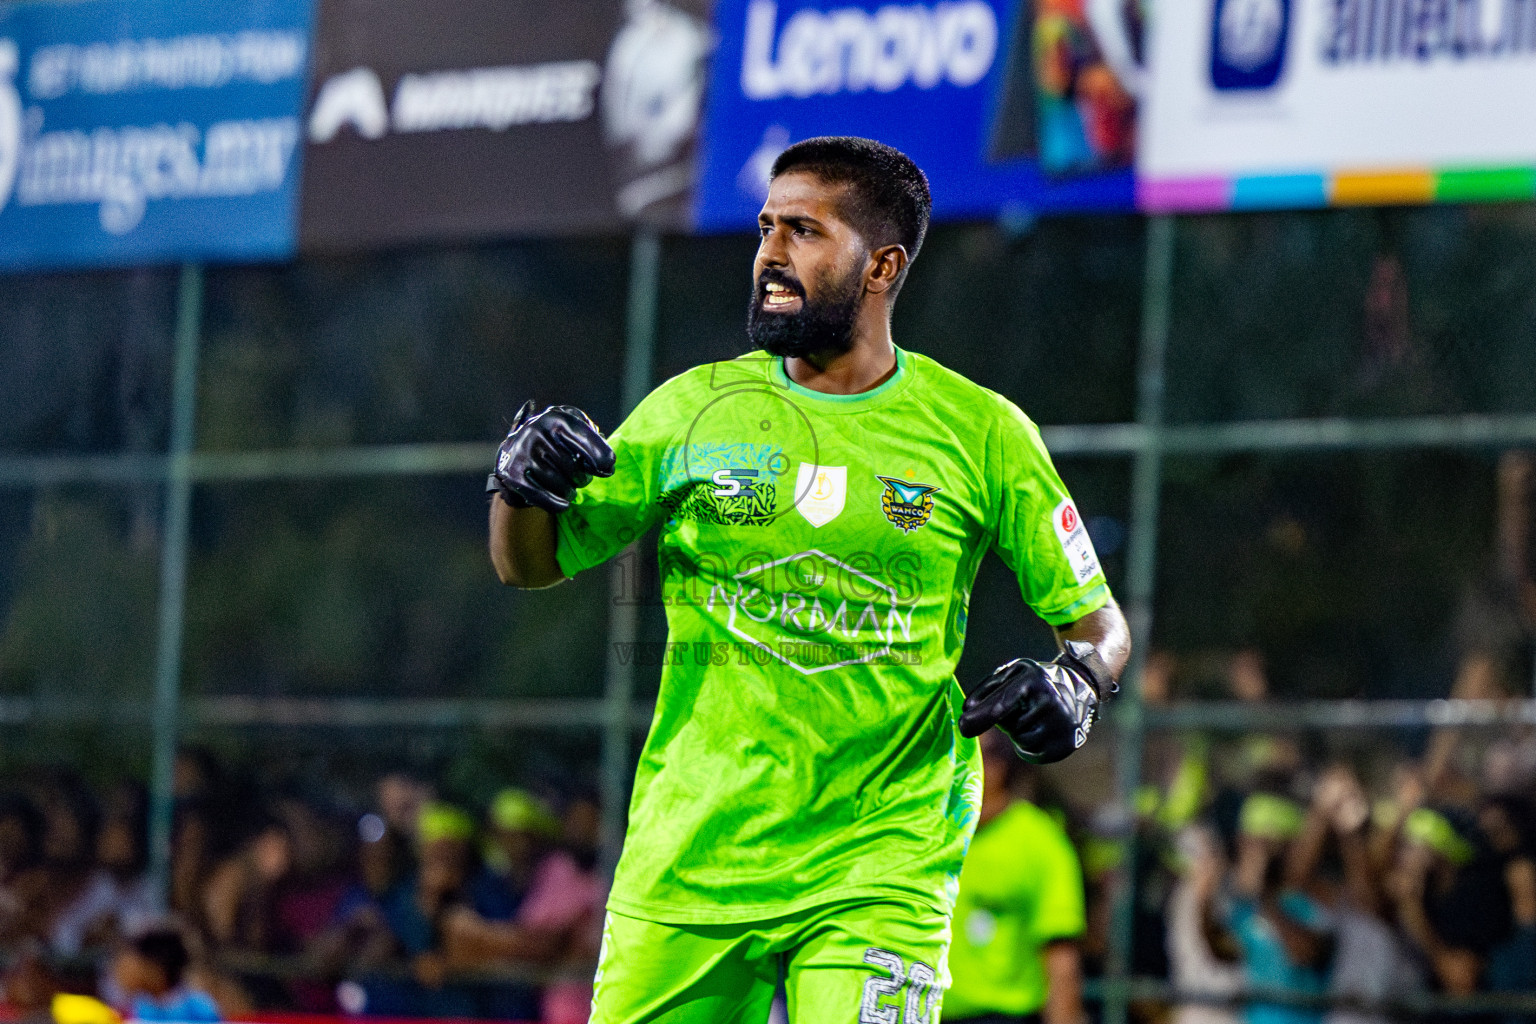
{"x":858,"y":962}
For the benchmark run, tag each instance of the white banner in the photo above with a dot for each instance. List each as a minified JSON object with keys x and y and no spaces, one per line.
{"x":1275,"y":103}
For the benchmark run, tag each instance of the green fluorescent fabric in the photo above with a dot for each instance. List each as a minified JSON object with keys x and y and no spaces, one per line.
{"x":1022,"y":887}
{"x":817,"y":555}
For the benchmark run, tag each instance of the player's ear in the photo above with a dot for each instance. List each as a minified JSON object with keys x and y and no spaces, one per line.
{"x":885,"y":266}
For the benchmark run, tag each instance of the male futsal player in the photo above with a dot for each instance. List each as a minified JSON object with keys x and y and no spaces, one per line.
{"x":809,"y":785}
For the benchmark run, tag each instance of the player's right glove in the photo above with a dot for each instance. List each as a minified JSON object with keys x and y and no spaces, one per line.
{"x":1045,"y":709}
{"x":548,"y":455}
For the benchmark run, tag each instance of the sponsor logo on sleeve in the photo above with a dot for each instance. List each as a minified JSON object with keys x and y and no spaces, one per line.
{"x":1075,"y":542}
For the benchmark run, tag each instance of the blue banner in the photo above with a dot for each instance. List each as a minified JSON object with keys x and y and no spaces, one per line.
{"x":143,"y":131}
{"x":1005,"y":105}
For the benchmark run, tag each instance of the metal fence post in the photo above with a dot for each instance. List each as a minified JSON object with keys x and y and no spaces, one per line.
{"x":173,"y":579}
{"x":1140,"y":582}
{"x":624,"y":589}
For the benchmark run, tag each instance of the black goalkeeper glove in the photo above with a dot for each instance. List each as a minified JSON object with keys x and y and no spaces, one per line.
{"x":1045,"y":709}
{"x":548,"y":455}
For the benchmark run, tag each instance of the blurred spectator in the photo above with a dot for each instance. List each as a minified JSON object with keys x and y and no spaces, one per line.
{"x":358,"y":935}
{"x":308,"y":897}
{"x":581,"y":828}
{"x":116,"y":900}
{"x":445,"y":841}
{"x":150,"y":972}
{"x":401,"y":798}
{"x":1203,"y":958}
{"x":304,"y":901}
{"x":1176,"y":766}
{"x":559,"y":915}
{"x":1330,"y":862}
{"x":70,"y":822}
{"x":1506,"y":822}
{"x":1497,"y":636}
{"x":1451,"y":897}
{"x":23,"y":881}
{"x":1019,"y":916}
{"x":211,"y":820}
{"x":519,"y":828}
{"x":239,"y":902}
{"x":419,"y":914}
{"x":1281,"y":931}
{"x":29,"y":983}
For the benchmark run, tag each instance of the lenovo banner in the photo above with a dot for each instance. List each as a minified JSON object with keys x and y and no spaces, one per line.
{"x":1006,"y":104}
{"x":143,"y":131}
{"x":447,"y":119}
{"x":1295,"y":103}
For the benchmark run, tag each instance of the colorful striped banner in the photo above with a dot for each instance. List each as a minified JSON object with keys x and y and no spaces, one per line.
{"x":1399,"y":187}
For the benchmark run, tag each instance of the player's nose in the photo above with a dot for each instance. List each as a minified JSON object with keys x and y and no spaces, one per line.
{"x":771,"y":251}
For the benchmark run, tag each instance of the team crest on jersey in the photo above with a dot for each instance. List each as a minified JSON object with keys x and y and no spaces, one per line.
{"x":906,"y":505}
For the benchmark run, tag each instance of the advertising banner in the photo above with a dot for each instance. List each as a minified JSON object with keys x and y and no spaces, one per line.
{"x":143,"y":131}
{"x":484,"y":118}
{"x":1297,"y":103}
{"x":1006,"y":104}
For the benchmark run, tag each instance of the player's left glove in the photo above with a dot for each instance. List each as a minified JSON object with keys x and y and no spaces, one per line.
{"x":1045,"y":709}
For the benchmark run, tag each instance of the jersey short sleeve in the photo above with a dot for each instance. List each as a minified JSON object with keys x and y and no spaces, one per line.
{"x":611,"y":512}
{"x":1039,"y":532}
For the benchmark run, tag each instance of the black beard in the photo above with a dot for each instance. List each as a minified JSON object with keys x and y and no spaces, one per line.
{"x":823,"y":327}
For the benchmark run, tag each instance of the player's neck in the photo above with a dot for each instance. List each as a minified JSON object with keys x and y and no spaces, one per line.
{"x":870,"y":362}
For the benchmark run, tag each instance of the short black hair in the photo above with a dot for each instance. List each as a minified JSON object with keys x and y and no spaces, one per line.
{"x":890,"y":201}
{"x":167,"y":950}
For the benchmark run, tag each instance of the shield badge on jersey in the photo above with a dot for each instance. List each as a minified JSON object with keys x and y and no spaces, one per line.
{"x":821,"y":492}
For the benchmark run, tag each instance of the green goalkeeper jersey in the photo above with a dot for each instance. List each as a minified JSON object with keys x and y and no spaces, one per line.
{"x":817,"y":554}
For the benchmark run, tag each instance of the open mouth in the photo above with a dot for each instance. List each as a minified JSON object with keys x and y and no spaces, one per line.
{"x":779,"y":298}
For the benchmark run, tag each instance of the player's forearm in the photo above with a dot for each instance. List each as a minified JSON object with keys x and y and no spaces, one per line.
{"x":1064,"y":984}
{"x":523,"y":546}
{"x":1107,"y":631}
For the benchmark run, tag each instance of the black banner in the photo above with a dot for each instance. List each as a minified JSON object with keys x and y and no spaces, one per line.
{"x":443,"y":119}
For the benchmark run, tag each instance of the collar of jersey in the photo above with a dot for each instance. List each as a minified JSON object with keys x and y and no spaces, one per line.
{"x":864,"y":399}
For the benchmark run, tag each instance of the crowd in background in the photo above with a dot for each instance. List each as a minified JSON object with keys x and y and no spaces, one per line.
{"x":1357,"y":872}
{"x":412,"y":906}
{"x":1356,"y":869}
{"x":1260,"y":865}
